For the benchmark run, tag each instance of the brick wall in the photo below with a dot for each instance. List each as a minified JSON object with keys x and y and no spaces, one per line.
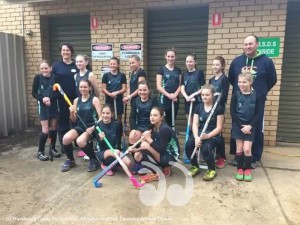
{"x":124,"y":21}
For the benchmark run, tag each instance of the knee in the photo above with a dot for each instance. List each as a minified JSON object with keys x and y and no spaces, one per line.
{"x":138,"y":156}
{"x":144,"y":145}
{"x":134,"y":136}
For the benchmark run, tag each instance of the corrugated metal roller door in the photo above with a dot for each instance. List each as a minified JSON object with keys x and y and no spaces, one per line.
{"x":73,"y":29}
{"x":289,"y":105}
{"x":186,"y":30}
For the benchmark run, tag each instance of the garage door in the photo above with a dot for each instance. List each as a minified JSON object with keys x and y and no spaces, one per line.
{"x":186,"y":30}
{"x":73,"y":29}
{"x":289,"y":105}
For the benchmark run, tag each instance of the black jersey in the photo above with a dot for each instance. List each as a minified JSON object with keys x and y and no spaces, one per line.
{"x":113,"y":83}
{"x":203,"y":115}
{"x":112,"y":133}
{"x":134,"y":79}
{"x":170,"y":78}
{"x":86,"y":111}
{"x":192,"y":82}
{"x":78,"y":78}
{"x":221,"y":85}
{"x":65,"y":77}
{"x":140,"y":113}
{"x":165,"y":141}
{"x":244,"y":108}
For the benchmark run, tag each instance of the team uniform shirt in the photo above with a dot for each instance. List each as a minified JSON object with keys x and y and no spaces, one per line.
{"x":65,"y":77}
{"x":78,"y":78}
{"x":87,"y":112}
{"x":262,"y":69}
{"x":42,"y":87}
{"x":170,"y":82}
{"x":134,"y":79}
{"x":111,"y":131}
{"x":221,"y":85}
{"x":203,"y":115}
{"x":140,"y":113}
{"x":165,"y":141}
{"x":114,"y":83}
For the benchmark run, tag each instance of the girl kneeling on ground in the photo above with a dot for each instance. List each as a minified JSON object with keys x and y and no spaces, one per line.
{"x":209,"y":140}
{"x":160,"y":143}
{"x":88,"y":108}
{"x":111,"y":130}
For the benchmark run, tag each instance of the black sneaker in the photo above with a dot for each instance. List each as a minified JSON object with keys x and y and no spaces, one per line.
{"x":41,"y":156}
{"x":55,"y":153}
{"x":69,"y":164}
{"x":233,"y":163}
{"x":253,"y":165}
{"x":93,"y":165}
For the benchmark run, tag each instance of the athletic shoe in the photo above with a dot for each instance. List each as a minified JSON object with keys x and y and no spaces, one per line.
{"x":221,"y":163}
{"x":149,"y":178}
{"x":247,"y":175}
{"x":167,"y":171}
{"x":41,"y":156}
{"x":253,"y":165}
{"x":55,"y":153}
{"x":136,"y":167}
{"x":194,"y":170}
{"x":80,"y":153}
{"x":210,"y":175}
{"x":108,"y":173}
{"x":239,"y":174}
{"x":93,"y":165}
{"x":69,"y":164}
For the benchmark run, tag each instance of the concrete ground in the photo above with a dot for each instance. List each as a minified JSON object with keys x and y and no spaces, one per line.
{"x":34,"y":192}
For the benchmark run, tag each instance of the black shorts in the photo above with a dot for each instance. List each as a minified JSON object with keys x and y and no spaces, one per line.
{"x":238,"y":134}
{"x":164,"y":159}
{"x":187,"y":107}
{"x":46,"y":113}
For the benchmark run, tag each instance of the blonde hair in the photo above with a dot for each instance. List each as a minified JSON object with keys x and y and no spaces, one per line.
{"x":247,"y":75}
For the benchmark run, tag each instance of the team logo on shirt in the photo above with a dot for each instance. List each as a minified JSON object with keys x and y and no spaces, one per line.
{"x":168,"y":76}
{"x":42,"y":87}
{"x":73,"y":70}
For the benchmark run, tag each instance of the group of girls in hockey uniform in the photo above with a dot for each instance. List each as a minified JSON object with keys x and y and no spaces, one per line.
{"x":150,"y":118}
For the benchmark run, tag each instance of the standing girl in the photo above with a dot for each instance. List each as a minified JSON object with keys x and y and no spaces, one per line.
{"x":88,"y":108}
{"x":193,"y":79}
{"x":47,"y":109}
{"x":65,"y":71}
{"x":140,"y":115}
{"x":111,"y":130}
{"x":168,"y":81}
{"x":136,"y":76}
{"x":221,"y":85}
{"x":160,"y":143}
{"x":82,"y":62}
{"x":114,"y":86}
{"x":244,"y":108}
{"x":208,"y":141}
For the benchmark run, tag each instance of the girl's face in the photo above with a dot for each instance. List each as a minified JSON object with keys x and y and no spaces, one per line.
{"x":143,"y":91}
{"x":107,"y":115}
{"x":170,"y":57}
{"x":244,"y":84}
{"x":113,"y":65}
{"x":217,"y":67}
{"x":134,"y":64}
{"x":190,"y":63}
{"x":45,"y":69}
{"x":155,"y":117}
{"x":80,"y":62}
{"x":65,"y":52}
{"x":84,"y":88}
{"x":206,"y":95}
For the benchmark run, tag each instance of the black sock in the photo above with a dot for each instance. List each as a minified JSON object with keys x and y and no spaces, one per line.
{"x":69,"y":151}
{"x":53,"y":136}
{"x":42,"y":141}
{"x":88,"y":149}
{"x":248,"y":160}
{"x":240,"y":160}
